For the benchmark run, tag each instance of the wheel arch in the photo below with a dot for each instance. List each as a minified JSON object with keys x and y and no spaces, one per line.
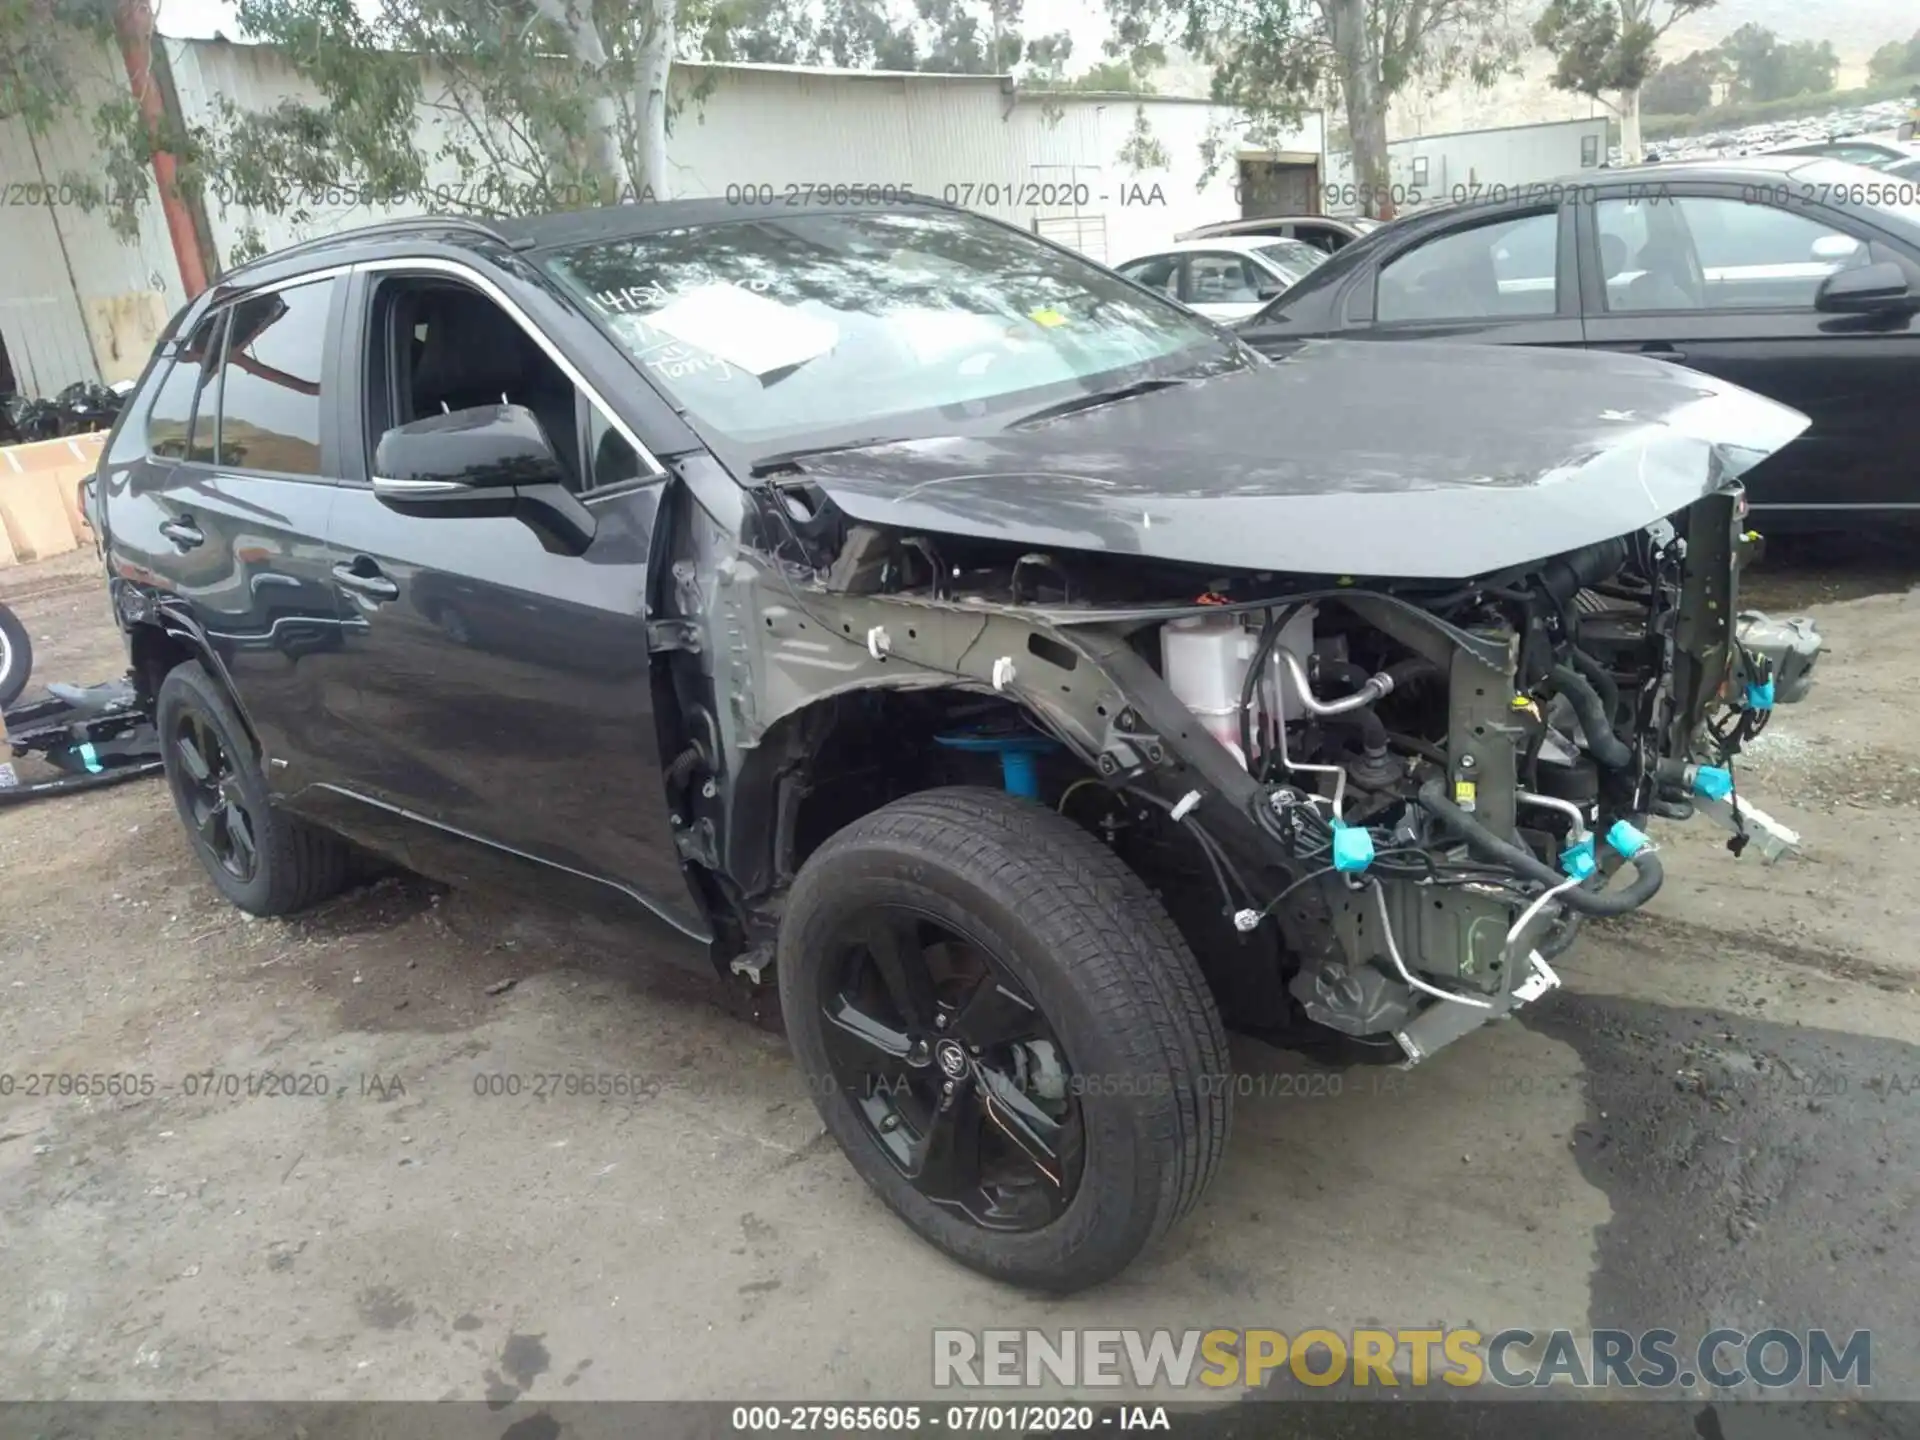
{"x":169,"y":639}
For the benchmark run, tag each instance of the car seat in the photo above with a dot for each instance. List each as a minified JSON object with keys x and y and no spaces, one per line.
{"x":474,"y":355}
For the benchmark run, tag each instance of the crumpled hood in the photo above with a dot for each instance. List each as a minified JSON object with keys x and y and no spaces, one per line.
{"x":1402,"y":460}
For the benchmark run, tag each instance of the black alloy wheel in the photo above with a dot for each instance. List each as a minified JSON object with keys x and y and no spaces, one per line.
{"x":207,"y":789}
{"x":260,"y":857}
{"x":1005,"y":1033}
{"x":957,"y":1075}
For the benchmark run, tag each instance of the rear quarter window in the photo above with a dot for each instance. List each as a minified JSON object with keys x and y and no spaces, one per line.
{"x":171,"y":432}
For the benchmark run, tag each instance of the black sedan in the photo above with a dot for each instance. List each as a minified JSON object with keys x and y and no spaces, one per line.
{"x":1797,"y":278}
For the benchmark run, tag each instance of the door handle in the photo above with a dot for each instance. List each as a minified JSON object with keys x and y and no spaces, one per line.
{"x":369,"y":582}
{"x":183,"y":532}
{"x":1663,"y":351}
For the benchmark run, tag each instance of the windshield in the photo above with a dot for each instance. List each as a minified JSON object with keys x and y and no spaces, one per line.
{"x":791,"y":330}
{"x":1295,"y":257}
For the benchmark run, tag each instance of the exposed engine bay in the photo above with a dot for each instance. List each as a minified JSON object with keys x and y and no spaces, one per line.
{"x":1380,"y":806}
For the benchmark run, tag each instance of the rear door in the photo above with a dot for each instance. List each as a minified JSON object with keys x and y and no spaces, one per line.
{"x":225,"y":515}
{"x":1724,"y":282}
{"x":490,"y":688}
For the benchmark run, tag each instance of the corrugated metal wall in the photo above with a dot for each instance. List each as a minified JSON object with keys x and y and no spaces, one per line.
{"x":76,"y":301}
{"x":747,"y":129}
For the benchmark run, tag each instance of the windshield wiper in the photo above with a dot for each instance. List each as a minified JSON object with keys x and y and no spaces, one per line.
{"x":1101,"y":397}
{"x":766,"y":465}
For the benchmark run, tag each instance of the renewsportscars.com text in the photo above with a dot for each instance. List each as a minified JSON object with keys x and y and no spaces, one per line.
{"x":1513,"y":1358}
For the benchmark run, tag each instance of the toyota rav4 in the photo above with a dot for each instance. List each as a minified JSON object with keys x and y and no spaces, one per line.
{"x":1012,"y":667}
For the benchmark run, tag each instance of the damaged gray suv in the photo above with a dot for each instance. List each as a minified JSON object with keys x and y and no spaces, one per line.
{"x":1015,"y":669}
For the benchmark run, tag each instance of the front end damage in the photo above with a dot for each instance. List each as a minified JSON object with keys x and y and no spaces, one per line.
{"x":1381,"y":804}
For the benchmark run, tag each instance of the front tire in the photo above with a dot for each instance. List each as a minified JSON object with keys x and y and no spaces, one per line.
{"x":1006,"y":1034}
{"x":262,"y":859}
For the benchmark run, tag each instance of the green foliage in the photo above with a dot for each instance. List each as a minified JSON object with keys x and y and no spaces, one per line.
{"x":40,"y":41}
{"x":1794,"y":107}
{"x":1686,"y":86}
{"x":36,"y":40}
{"x":1895,"y":59}
{"x":1762,"y":68}
{"x":1141,"y":150}
{"x":1275,"y":60}
{"x":1605,"y":47}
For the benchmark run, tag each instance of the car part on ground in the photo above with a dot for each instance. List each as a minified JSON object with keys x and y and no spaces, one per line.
{"x":95,"y":736}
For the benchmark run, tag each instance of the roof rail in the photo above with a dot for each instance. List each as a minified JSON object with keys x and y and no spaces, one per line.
{"x":368,"y":232}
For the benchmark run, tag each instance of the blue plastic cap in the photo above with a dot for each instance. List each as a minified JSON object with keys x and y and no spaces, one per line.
{"x":1713,"y":781}
{"x":1579,"y":860}
{"x":1627,"y":840}
{"x":1352,"y":849}
{"x":1760,"y":697}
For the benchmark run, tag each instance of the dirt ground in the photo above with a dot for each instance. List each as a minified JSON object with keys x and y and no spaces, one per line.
{"x":1714,"y":1122}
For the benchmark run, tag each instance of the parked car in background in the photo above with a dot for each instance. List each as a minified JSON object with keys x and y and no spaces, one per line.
{"x":1323,"y":232}
{"x":1893,"y":157}
{"x":1798,"y":278}
{"x":1225,"y":279}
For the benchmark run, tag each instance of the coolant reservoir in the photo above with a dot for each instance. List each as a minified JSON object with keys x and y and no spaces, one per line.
{"x":1205,"y":660}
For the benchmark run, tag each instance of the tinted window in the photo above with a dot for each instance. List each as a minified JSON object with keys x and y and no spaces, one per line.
{"x":1699,"y":253}
{"x":270,"y":381}
{"x":1156,"y":273}
{"x":779,"y":331}
{"x":170,"y":423}
{"x":1500,"y":269}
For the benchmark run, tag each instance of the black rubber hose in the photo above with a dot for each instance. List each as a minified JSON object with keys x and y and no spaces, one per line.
{"x":1608,"y":748}
{"x":682,"y":768}
{"x":1567,"y":575}
{"x":1647,"y":874}
{"x":1599,"y":677}
{"x":1560,"y":939}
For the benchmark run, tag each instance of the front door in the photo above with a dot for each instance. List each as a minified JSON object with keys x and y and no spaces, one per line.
{"x":1725,"y":284}
{"x":497,"y":691}
{"x":1508,"y":278}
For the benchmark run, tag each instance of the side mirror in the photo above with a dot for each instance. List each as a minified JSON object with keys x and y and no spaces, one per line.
{"x":492,"y":461}
{"x":1868,"y":290}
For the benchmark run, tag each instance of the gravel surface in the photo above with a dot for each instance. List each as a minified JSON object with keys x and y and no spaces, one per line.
{"x":1714,"y":1123}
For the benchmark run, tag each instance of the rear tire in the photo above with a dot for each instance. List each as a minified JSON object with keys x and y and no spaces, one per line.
{"x":16,"y":657}
{"x":262,"y":859}
{"x":1118,"y":995}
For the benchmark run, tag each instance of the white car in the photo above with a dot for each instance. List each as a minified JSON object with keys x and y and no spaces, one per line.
{"x":1227,"y":277}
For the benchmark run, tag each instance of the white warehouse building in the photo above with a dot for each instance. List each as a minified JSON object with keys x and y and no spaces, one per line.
{"x":77,"y":302}
{"x":1477,"y":164}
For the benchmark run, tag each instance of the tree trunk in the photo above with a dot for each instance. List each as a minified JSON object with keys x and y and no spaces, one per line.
{"x":656,"y":65}
{"x":1630,"y":150}
{"x":1366,"y":106}
{"x":602,"y":139}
